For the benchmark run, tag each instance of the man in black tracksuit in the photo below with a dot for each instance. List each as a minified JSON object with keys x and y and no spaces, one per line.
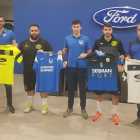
{"x":109,"y":44}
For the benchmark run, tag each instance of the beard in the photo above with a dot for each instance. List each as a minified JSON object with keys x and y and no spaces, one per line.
{"x":107,"y":35}
{"x":1,"y":26}
{"x":34,"y":37}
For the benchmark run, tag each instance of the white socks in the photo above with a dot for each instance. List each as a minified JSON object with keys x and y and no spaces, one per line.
{"x":115,"y":109}
{"x":99,"y":106}
{"x":44,"y":101}
{"x":30,"y":99}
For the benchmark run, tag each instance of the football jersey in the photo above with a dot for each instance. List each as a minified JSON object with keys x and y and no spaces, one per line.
{"x":47,"y":67}
{"x":101,"y":71}
{"x":132,"y":69}
{"x":8,"y":55}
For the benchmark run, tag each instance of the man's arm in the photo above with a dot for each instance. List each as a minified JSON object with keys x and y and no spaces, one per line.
{"x":83,"y":55}
{"x":62,"y":52}
{"x":95,"y":47}
{"x":14,"y":43}
{"x":127,"y":58}
{"x":121,"y":51}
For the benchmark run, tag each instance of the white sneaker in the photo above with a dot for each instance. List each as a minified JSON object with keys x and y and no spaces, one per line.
{"x":44,"y":109}
{"x":29,"y":108}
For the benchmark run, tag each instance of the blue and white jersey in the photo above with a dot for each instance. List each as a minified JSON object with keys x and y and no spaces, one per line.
{"x":47,"y":67}
{"x":101,"y":70}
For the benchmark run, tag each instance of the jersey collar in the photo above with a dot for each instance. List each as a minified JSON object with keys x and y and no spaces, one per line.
{"x":76,"y":37}
{"x":110,"y":40}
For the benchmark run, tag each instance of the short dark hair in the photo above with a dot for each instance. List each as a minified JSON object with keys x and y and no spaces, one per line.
{"x":2,"y":17}
{"x":34,"y":25}
{"x":76,"y":21}
{"x":107,"y":25}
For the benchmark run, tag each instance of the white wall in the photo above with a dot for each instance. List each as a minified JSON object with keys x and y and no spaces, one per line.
{"x":7,"y":12}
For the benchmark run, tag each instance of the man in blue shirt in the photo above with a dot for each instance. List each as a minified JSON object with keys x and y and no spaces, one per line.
{"x":134,"y":53}
{"x":76,"y":45}
{"x":7,"y":37}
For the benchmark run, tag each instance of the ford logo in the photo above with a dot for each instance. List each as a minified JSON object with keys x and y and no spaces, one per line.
{"x":3,"y":60}
{"x":137,"y":76}
{"x":119,"y":17}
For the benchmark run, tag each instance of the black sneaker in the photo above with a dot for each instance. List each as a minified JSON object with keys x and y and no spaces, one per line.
{"x":11,"y":109}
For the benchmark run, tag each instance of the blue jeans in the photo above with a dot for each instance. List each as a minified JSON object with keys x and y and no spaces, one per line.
{"x":138,"y":113}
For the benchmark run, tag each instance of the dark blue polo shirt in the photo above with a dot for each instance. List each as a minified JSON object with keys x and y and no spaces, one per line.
{"x":76,"y":46}
{"x":134,"y":49}
{"x":6,"y":37}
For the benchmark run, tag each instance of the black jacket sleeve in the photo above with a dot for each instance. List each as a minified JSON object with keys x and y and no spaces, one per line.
{"x":121,"y":49}
{"x":20,"y":47}
{"x":95,"y":47}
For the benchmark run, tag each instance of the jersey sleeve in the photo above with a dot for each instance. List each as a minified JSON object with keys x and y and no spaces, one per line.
{"x":121,"y":62}
{"x":59,"y":57}
{"x":121,"y":49}
{"x":88,"y":46}
{"x":124,"y":76}
{"x":129,"y":51}
{"x":82,"y":63}
{"x":20,"y":47}
{"x":35,"y":64}
{"x":17,"y":55}
{"x":13,"y":37}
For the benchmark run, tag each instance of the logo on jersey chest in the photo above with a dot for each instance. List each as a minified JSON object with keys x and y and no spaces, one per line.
{"x":101,"y":64}
{"x":7,"y":52}
{"x":107,"y":59}
{"x":26,"y":46}
{"x":4,"y":34}
{"x":3,"y":60}
{"x":81,"y":42}
{"x":114,"y":43}
{"x":50,"y":60}
{"x":38,"y":46}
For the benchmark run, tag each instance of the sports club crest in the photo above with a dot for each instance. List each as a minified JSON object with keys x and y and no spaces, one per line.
{"x":114,"y":43}
{"x":4,"y":34}
{"x":38,"y":46}
{"x":107,"y":59}
{"x":50,"y":60}
{"x":81,"y":42}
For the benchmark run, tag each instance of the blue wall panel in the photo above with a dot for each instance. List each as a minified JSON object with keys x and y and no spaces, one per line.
{"x":55,"y":16}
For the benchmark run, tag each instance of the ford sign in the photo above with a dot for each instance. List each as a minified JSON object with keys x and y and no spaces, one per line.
{"x":119,"y":17}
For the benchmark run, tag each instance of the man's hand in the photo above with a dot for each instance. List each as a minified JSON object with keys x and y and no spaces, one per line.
{"x":59,"y":52}
{"x":127,"y":58}
{"x":122,"y":57}
{"x":40,"y":50}
{"x":82,"y":55}
{"x":15,"y":44}
{"x":64,"y":64}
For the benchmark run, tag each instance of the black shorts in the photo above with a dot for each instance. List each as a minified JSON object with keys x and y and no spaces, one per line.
{"x":116,"y":93}
{"x":29,"y":81}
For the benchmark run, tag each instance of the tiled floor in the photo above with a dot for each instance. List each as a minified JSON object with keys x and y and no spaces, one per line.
{"x":34,"y":126}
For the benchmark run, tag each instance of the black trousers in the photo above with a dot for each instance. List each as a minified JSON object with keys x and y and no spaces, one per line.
{"x":138,"y":113}
{"x":9,"y":94}
{"x":74,"y":75}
